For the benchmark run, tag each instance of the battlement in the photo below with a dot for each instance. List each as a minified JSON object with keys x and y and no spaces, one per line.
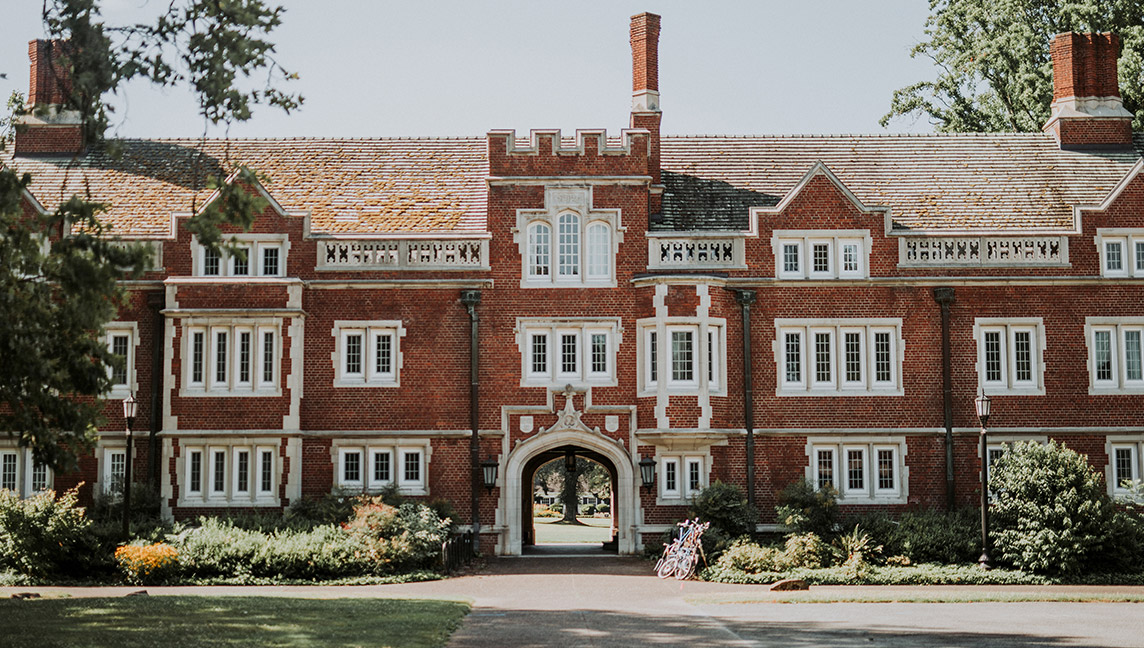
{"x":589,"y":153}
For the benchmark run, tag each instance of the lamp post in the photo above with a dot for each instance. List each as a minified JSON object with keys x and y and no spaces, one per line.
{"x":129,"y":410}
{"x":983,"y":415}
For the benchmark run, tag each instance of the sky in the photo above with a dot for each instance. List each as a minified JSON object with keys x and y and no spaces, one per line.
{"x":381,"y":68}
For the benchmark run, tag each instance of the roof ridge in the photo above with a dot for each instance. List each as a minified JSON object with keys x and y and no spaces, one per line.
{"x":297,"y":139}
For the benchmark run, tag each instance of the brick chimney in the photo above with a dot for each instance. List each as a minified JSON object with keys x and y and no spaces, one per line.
{"x":1087,"y":112}
{"x":49,"y":128}
{"x":645,"y":84}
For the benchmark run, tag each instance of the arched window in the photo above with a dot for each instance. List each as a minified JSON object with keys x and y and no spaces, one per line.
{"x":569,"y":245}
{"x":539,"y":253}
{"x":599,"y":251}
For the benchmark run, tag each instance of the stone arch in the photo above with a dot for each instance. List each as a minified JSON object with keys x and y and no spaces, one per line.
{"x":611,"y":450}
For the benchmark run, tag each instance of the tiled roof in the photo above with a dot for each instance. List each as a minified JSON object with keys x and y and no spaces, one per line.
{"x":930,"y":182}
{"x":369,"y":186}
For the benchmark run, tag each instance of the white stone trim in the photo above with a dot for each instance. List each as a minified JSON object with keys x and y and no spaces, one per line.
{"x":1009,"y":384}
{"x":370,"y":331}
{"x":131,"y":330}
{"x":1117,"y":327}
{"x":838,"y":328}
{"x":397,"y":448}
{"x":560,"y":200}
{"x":870,"y":493}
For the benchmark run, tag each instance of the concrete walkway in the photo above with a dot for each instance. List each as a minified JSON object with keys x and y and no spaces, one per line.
{"x":609,"y":601}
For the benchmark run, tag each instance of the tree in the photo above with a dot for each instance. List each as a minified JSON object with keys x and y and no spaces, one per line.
{"x":59,"y":287}
{"x":995,"y":69}
{"x":591,"y":477}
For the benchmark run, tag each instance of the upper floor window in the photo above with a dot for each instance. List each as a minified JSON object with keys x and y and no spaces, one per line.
{"x":1116,"y":354}
{"x":250,"y":255}
{"x":557,"y":352}
{"x":1010,"y":355}
{"x":568,"y":243}
{"x":122,"y":340}
{"x":821,"y":254}
{"x":839,"y":357}
{"x":367,"y":353}
{"x":683,"y":355}
{"x":860,"y":470}
{"x":1121,"y":252}
{"x":231,"y":357}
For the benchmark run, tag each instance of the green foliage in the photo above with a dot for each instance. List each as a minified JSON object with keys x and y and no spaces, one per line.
{"x":857,"y":551}
{"x":806,"y":550}
{"x":604,"y":508}
{"x":806,"y":509}
{"x":43,"y":535}
{"x":334,"y":508}
{"x":397,"y":538}
{"x":924,"y":574}
{"x":995,"y":68}
{"x":802,"y":551}
{"x":1049,"y":510}
{"x":925,"y":535}
{"x":725,"y":507}
{"x":587,"y":509}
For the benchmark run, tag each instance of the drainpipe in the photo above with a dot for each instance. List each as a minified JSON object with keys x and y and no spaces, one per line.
{"x":470,"y":299}
{"x":156,"y":300}
{"x":745,"y":299}
{"x":944,"y":296}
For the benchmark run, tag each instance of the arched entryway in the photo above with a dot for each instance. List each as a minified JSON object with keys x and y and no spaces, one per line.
{"x":532,"y":453}
{"x":534,"y":532}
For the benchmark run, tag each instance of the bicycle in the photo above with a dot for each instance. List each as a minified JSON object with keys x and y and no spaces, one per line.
{"x":681,"y":557}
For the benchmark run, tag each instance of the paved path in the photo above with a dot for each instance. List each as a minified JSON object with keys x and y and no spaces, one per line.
{"x":604,"y":602}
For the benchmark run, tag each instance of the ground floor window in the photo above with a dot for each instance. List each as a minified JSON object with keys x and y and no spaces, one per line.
{"x":372,"y":465}
{"x":861,"y":470}
{"x":681,"y":476}
{"x":1125,"y":465}
{"x":21,"y":474}
{"x":223,"y":473}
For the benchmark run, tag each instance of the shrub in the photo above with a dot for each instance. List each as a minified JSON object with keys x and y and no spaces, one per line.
{"x":603,"y":508}
{"x":748,"y":557}
{"x":334,"y":508}
{"x":806,"y":509}
{"x":44,"y":535}
{"x":806,"y":550}
{"x":218,"y":548}
{"x":1049,"y":509}
{"x":937,"y":536}
{"x":147,"y":564}
{"x":725,"y":507}
{"x":397,"y":539}
{"x":587,"y":510}
{"x":857,"y":551}
{"x":557,"y":507}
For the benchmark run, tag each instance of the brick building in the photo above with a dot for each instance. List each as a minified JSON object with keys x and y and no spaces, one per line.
{"x":840,"y":300}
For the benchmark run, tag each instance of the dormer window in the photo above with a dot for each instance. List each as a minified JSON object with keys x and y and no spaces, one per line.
{"x":250,"y":255}
{"x":821,"y":254}
{"x":568,"y":243}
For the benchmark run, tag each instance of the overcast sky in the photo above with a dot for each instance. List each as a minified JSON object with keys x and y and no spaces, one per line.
{"x":451,"y":67}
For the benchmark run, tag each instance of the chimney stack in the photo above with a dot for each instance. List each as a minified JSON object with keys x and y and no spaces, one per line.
{"x":645,"y":87}
{"x":48,"y":128}
{"x":1087,"y":112}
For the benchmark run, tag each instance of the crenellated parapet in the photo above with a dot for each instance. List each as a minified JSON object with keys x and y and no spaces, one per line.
{"x":588,"y":154}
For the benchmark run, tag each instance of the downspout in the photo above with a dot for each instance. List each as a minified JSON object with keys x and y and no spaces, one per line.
{"x":156,"y":300}
{"x":745,"y":299}
{"x":470,"y":299}
{"x":944,"y":296}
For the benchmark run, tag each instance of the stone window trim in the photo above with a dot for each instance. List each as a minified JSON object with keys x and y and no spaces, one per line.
{"x":568,"y":243}
{"x":550,"y":371}
{"x":681,"y":462}
{"x":21,"y":474}
{"x":197,"y":461}
{"x":371,"y":342}
{"x":258,"y":246}
{"x":1021,"y":372}
{"x":400,"y":450}
{"x":1130,"y":448}
{"x":800,"y":371}
{"x":109,"y":455}
{"x":243,"y":371}
{"x":1121,"y":252}
{"x":821,"y":254}
{"x":1115,"y":354}
{"x":113,"y":330}
{"x":707,"y":363}
{"x":828,"y":461}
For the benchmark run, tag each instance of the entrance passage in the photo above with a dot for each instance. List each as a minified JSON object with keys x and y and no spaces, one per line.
{"x":570,"y":503}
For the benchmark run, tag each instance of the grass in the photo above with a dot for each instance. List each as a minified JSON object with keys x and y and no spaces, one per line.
{"x":595,"y":530}
{"x":194,"y":621}
{"x":929,"y":594}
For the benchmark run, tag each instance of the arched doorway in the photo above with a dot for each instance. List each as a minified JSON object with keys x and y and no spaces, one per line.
{"x":531,"y":453}
{"x":585,"y":464}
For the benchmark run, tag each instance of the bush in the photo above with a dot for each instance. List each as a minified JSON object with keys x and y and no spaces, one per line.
{"x":748,"y":557}
{"x":1049,"y":509}
{"x":587,"y":509}
{"x":147,"y":564}
{"x":603,"y":508}
{"x":806,"y":550}
{"x":44,"y":535}
{"x":806,"y":509}
{"x":926,"y":574}
{"x":557,"y":507}
{"x":335,"y":508}
{"x":936,"y":536}
{"x":397,"y":539}
{"x":725,"y":507}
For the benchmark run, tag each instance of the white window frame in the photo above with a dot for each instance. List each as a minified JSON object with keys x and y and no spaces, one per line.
{"x":708,"y":355}
{"x":804,"y":242}
{"x":398,"y":448}
{"x":807,"y":382}
{"x":683,"y":491}
{"x":589,"y":248}
{"x":1118,"y":329}
{"x":108,"y":486}
{"x":231,"y":385}
{"x":1134,"y":443}
{"x":229,"y":496}
{"x":1131,"y":244}
{"x":23,"y":472}
{"x":1008,"y":328}
{"x":370,"y":331}
{"x":255,"y":246}
{"x":555,"y":329}
{"x":869,"y":446}
{"x":131,"y":331}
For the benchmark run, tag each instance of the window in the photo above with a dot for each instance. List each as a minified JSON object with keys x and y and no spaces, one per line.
{"x":821,"y":254}
{"x":839,"y":357}
{"x":539,"y":251}
{"x":368,"y":353}
{"x":861,"y":470}
{"x":122,"y":338}
{"x":247,"y":255}
{"x":1121,"y":252}
{"x":559,"y":352}
{"x":1116,"y":354}
{"x":692,"y":357}
{"x":113,"y":471}
{"x":681,"y":477}
{"x":568,"y":242}
{"x":1125,"y":464}
{"x":231,"y":358}
{"x":376,"y":466}
{"x":224,"y":473}
{"x":1010,"y":355}
{"x":21,"y":474}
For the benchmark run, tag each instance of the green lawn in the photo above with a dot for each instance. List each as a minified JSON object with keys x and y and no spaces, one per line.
{"x":192,"y":621}
{"x":594,"y":530}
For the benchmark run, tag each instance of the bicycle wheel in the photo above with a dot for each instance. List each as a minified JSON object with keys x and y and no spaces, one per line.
{"x":685,"y":566}
{"x":666,"y":567}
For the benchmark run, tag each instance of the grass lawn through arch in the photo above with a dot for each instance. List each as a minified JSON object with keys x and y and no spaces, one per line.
{"x":595,"y":530}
